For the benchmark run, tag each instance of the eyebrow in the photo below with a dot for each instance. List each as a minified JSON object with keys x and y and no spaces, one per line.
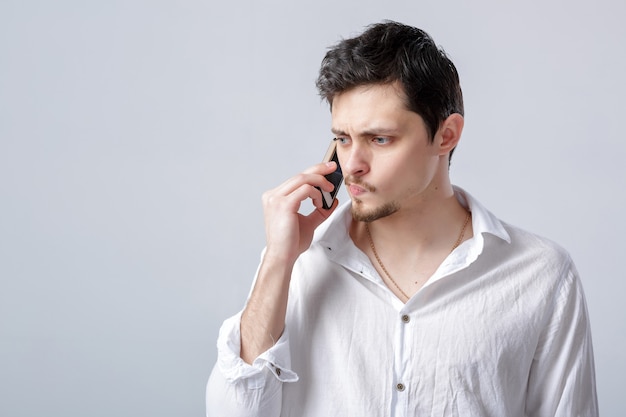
{"x":372,"y":131}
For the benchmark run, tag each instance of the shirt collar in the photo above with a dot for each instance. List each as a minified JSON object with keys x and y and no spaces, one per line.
{"x":483,"y":221}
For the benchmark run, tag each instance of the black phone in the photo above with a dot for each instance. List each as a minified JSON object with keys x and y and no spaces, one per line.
{"x":336,"y":177}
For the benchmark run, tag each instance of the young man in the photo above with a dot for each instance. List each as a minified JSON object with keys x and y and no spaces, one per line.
{"x":411,"y":299}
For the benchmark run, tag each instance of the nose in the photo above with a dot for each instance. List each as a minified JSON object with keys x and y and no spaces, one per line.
{"x":353,"y":160}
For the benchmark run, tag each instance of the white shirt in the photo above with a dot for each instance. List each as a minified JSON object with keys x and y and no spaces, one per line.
{"x":500,"y":329}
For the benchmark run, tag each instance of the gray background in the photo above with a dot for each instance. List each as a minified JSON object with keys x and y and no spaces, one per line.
{"x":136,"y":138}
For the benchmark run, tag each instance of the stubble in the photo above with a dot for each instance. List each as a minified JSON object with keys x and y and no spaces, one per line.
{"x":368,"y":216}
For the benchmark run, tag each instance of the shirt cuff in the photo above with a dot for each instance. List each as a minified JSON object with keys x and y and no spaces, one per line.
{"x":276,"y":360}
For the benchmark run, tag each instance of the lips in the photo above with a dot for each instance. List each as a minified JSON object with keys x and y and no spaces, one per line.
{"x":356,"y":190}
{"x":356,"y":186}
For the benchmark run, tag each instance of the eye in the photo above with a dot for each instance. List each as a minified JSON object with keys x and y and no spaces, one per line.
{"x":342,"y":140}
{"x":380,"y":140}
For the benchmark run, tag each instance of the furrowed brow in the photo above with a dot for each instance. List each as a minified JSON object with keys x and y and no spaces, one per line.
{"x":369,"y":132}
{"x":379,"y":131}
{"x":338,"y":132}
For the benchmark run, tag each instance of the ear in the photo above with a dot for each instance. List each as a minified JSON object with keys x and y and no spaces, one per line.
{"x":449,"y":133}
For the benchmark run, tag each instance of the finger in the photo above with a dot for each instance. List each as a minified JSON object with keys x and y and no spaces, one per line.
{"x":314,"y":172}
{"x":319,"y":206}
{"x":308,"y":191}
{"x":321,"y":168}
{"x":292,"y":201}
{"x":327,"y":212}
{"x":317,"y":216}
{"x":311,"y":178}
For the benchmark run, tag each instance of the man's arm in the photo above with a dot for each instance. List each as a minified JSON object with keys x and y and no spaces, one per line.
{"x":288,"y":234}
{"x":562,"y":378}
{"x":247,"y":380}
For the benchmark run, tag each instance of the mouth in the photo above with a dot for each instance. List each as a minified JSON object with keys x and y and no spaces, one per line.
{"x":357,"y":187}
{"x":356,"y":190}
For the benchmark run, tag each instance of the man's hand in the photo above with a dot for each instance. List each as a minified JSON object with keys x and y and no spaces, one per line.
{"x":288,"y":232}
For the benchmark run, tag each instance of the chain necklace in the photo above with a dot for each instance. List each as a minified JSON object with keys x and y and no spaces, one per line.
{"x":460,"y":239}
{"x":456,"y":244}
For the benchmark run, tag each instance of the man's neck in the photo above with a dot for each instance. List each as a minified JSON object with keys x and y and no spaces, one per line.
{"x":419,"y":225}
{"x":413,"y":241}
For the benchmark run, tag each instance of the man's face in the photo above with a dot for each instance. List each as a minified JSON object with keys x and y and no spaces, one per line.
{"x":384,"y":151}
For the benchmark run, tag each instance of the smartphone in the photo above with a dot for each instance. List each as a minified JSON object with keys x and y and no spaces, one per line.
{"x":336,"y":177}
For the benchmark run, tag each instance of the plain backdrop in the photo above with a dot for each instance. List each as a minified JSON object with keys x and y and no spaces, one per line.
{"x":136,"y":138}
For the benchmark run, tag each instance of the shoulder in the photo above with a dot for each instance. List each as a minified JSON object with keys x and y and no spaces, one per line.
{"x":534,"y":244}
{"x":535,"y":256}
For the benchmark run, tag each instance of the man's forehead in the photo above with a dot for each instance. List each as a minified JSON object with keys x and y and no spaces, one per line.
{"x":365,"y":112}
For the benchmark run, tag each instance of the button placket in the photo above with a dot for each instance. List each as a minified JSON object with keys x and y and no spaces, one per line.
{"x":405,"y":319}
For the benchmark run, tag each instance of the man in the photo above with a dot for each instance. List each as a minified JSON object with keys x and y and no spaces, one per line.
{"x":412,"y":299}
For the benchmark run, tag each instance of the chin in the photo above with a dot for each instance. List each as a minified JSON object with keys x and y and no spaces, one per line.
{"x":362,"y":214}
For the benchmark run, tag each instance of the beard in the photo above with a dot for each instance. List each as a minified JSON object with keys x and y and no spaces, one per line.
{"x":368,"y":216}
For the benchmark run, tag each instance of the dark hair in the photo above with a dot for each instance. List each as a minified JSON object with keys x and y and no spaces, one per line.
{"x":390,"y":51}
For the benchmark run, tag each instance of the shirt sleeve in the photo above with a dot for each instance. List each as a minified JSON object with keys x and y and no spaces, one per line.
{"x":562,"y":377}
{"x":238,"y":389}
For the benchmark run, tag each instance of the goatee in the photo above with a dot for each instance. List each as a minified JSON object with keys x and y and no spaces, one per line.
{"x":385,"y":210}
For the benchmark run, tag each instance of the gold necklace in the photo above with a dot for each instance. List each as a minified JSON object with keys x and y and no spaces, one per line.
{"x":460,"y":239}
{"x":382,"y":266}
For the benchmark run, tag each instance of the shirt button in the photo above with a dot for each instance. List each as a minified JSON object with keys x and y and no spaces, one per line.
{"x":400,"y":387}
{"x":406,"y":318}
{"x":278,"y":371}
